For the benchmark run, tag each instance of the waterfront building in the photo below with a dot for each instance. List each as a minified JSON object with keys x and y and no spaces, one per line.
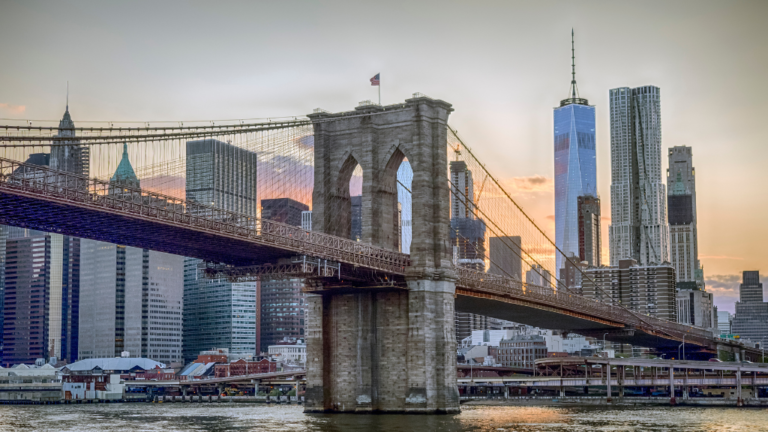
{"x":751,"y":318}
{"x":575,"y":164}
{"x":639,"y":227}
{"x":219,"y":313}
{"x":522,"y":351}
{"x":590,"y":243}
{"x":291,"y":352}
{"x":131,"y":298}
{"x":647,"y":289}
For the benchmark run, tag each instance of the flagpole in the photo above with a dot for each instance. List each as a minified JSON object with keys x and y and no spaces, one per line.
{"x":379,"y":89}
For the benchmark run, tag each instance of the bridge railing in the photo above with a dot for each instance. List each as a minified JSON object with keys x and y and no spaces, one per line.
{"x":123,"y":198}
{"x":562,"y":299}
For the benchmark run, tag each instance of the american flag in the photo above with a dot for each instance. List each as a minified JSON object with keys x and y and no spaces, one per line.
{"x":375,"y":80}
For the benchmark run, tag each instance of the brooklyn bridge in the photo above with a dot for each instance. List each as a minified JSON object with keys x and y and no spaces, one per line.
{"x":380,"y":307}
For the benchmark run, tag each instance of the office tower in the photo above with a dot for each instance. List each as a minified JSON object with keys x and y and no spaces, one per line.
{"x":69,"y":155}
{"x":751,"y":318}
{"x":27,"y":332}
{"x":695,"y":307}
{"x":284,"y":210}
{"x":60,"y":272}
{"x":356,"y":231}
{"x":683,"y":237}
{"x":221,"y":175}
{"x":283,"y":305}
{"x":575,"y":164}
{"x":590,"y":245}
{"x":538,"y":276}
{"x":467,"y":231}
{"x":404,"y":198}
{"x":724,"y":322}
{"x":572,"y":273}
{"x":505,"y":257}
{"x":649,"y":290}
{"x":218,"y":313}
{"x":130,"y":298}
{"x":467,"y":238}
{"x":639,"y":227}
{"x":306,"y":220}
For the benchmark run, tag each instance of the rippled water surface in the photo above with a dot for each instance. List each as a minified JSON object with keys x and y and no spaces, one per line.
{"x":215,"y":418}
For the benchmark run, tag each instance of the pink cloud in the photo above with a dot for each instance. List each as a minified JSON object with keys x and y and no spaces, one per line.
{"x":534,"y":183}
{"x":17,"y":109}
{"x":726,"y":257}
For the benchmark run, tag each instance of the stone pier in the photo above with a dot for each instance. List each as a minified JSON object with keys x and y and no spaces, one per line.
{"x":393,"y":348}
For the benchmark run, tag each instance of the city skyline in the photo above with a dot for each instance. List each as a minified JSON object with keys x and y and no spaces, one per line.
{"x":510,"y":114}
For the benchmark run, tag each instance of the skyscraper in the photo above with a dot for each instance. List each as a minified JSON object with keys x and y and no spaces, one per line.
{"x":131,"y":298}
{"x":751,"y":318}
{"x":283,"y":307}
{"x":61,"y":267}
{"x":505,"y":257}
{"x":467,"y":239}
{"x":590,"y":245}
{"x":683,"y":236}
{"x":575,"y":169}
{"x":639,"y":227}
{"x":218,"y":313}
{"x":69,"y":155}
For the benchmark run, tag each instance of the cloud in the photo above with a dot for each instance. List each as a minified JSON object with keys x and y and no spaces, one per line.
{"x":530,"y":184}
{"x":17,"y":109}
{"x":550,"y":218}
{"x":172,"y":185}
{"x":725,"y":257}
{"x":725,"y":289}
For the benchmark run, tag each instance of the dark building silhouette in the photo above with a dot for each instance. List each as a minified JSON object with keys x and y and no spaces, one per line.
{"x":751,"y":319}
{"x":282,"y":302}
{"x":283,"y":210}
{"x":589,"y":230}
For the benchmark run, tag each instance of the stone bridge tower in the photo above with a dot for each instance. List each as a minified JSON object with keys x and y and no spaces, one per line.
{"x":385,"y":350}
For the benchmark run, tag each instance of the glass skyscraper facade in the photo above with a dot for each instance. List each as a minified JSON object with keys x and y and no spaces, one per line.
{"x":575,"y":170}
{"x":219,"y":313}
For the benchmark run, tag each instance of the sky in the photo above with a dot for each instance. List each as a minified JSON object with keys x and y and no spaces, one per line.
{"x":503,"y":65}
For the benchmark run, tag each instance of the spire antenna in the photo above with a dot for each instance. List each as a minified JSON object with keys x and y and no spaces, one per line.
{"x":67,"y":95}
{"x":573,"y":68}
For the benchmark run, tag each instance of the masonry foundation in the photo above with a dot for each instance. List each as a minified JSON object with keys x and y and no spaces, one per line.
{"x":383,"y":351}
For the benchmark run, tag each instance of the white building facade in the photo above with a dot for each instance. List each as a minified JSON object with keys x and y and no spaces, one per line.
{"x":639,"y":227}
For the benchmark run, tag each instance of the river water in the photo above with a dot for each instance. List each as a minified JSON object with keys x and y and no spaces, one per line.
{"x":248,"y":417}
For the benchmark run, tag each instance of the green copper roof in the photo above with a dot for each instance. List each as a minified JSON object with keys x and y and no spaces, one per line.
{"x":124,"y":172}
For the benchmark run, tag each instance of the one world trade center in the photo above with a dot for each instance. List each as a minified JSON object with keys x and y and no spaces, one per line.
{"x":575,"y":170}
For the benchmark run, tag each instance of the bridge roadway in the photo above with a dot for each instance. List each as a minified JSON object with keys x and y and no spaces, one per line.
{"x":54,"y":201}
